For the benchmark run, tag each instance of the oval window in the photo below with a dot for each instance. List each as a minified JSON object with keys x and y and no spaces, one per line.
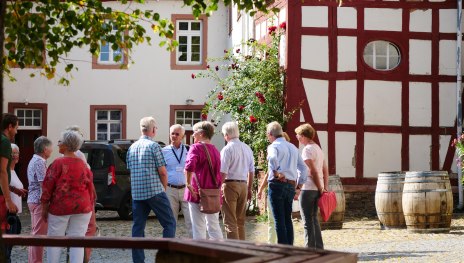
{"x":382,"y":55}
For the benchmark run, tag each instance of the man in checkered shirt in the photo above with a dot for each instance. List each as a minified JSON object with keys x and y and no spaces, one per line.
{"x":148,"y":183}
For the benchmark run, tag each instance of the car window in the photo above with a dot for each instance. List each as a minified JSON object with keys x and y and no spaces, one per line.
{"x":99,"y":159}
{"x":120,"y":157}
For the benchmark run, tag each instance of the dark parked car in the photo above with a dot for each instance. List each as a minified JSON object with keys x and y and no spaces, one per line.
{"x":111,"y":178}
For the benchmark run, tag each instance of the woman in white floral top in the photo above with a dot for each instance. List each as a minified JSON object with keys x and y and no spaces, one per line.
{"x":36,"y":171}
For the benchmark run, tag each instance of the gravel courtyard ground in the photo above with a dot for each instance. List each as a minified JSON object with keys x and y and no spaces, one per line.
{"x":359,"y":235}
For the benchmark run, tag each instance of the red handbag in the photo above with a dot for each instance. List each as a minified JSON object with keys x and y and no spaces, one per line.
{"x":327,"y":203}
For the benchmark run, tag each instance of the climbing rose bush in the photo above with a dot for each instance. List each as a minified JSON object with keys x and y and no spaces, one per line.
{"x":252,"y":91}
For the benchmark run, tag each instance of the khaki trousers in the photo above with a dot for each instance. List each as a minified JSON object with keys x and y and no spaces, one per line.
{"x":233,"y":209}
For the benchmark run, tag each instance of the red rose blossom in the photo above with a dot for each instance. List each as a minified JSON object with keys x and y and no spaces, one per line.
{"x":217,"y":68}
{"x":238,"y":50}
{"x":253,"y":119}
{"x":272,"y":30}
{"x":204,"y":116}
{"x":283,"y":25}
{"x":241,"y":108}
{"x":220,"y":96}
{"x":193,"y":76}
{"x":207,"y":66}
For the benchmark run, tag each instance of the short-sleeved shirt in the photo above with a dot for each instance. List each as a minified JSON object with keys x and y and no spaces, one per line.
{"x":313,"y":152}
{"x":237,"y":160}
{"x":68,"y":187}
{"x":5,"y":151}
{"x":175,"y":163}
{"x":144,"y":157}
{"x":36,"y":171}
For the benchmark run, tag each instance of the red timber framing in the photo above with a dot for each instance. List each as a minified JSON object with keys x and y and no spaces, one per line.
{"x":295,"y":75}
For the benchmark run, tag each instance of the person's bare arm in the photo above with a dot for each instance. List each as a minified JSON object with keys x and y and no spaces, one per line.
{"x":188,"y":179}
{"x":5,"y":186}
{"x":263,"y":185}
{"x":163,"y":174}
{"x":325,"y":171}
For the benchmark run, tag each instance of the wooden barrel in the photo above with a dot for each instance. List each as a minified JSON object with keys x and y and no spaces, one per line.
{"x":427,"y":202}
{"x":338,"y":215}
{"x":388,"y":199}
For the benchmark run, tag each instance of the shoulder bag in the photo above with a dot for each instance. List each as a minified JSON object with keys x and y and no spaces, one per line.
{"x":210,"y":199}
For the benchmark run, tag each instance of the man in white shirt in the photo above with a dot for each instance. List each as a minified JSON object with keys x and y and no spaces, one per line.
{"x":237,"y":168}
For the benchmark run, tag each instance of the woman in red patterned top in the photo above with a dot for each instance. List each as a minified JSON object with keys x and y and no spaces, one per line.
{"x":67,"y":196}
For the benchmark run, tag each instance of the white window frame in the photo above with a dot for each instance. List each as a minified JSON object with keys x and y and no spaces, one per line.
{"x":189,"y":34}
{"x":108,"y":122}
{"x":390,"y":48}
{"x":29,"y":127}
{"x":111,"y":54}
{"x":193,"y":120}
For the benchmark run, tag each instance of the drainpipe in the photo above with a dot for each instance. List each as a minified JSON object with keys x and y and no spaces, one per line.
{"x":458,"y":96}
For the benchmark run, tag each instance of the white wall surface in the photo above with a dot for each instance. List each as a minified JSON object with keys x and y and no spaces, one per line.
{"x":382,"y":102}
{"x":382,"y":153}
{"x":345,"y":111}
{"x":447,"y":104}
{"x":345,"y":152}
{"x":420,"y":20}
{"x":347,"y":17}
{"x":444,"y":144}
{"x":419,"y":152}
{"x":315,"y":53}
{"x":420,"y":57}
{"x":317,"y":95}
{"x":447,"y":60}
{"x":383,"y":19}
{"x":448,"y":19}
{"x":347,"y":54}
{"x":314,"y":16}
{"x":149,"y":87}
{"x":420,"y":104}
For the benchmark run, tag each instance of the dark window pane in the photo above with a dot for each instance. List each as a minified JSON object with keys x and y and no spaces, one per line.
{"x":182,"y":40}
{"x":179,"y":114}
{"x":115,"y":127}
{"x":182,"y":48}
{"x":102,"y":115}
{"x":115,"y":115}
{"x":197,"y":114}
{"x":183,"y":57}
{"x":20,"y":113}
{"x":196,"y":26}
{"x":195,"y":57}
{"x":28,"y":122}
{"x":21,"y":122}
{"x":101,"y":136}
{"x":188,"y":114}
{"x":179,"y":122}
{"x":102,"y":127}
{"x":28,"y":113}
{"x":36,"y":122}
{"x":37,"y":113}
{"x":195,"y":48}
{"x":115,"y":136}
{"x":183,"y":25}
{"x":195,"y":40}
{"x":188,"y":122}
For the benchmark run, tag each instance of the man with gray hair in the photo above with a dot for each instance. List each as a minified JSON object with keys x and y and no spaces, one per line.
{"x":237,"y":169}
{"x":148,"y":183}
{"x":287,"y":170}
{"x":175,"y":155}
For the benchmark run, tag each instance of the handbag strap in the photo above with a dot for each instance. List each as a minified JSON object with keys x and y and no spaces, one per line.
{"x":210,"y":165}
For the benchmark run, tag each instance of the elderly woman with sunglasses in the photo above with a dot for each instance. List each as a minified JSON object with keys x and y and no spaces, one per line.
{"x":68,"y":196}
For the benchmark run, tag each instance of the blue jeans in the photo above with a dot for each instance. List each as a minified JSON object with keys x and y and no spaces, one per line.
{"x":140,"y":210}
{"x":281,"y":199}
{"x":308,"y":211}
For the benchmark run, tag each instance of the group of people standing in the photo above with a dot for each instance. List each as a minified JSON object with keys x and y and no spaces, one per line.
{"x":61,"y":198}
{"x":167,"y":180}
